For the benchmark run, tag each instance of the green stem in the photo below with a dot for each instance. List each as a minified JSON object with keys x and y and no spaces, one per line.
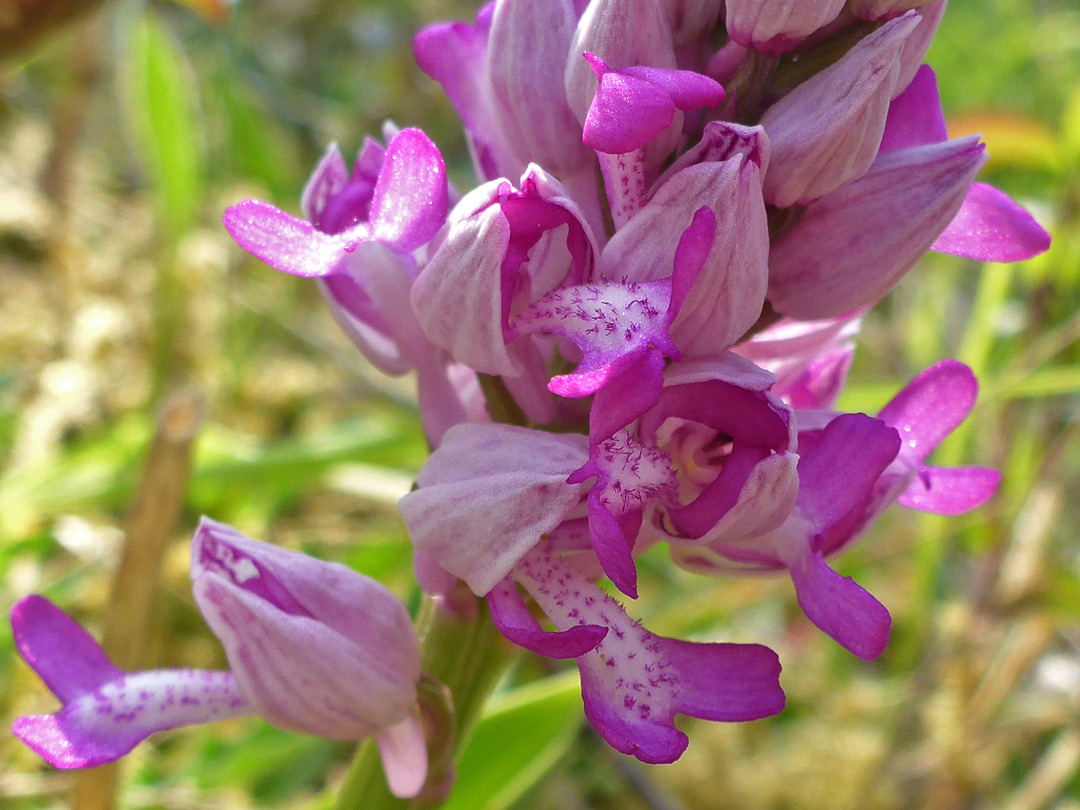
{"x":466,"y":654}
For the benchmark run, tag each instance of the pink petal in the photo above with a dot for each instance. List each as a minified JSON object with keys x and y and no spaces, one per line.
{"x":403,"y":750}
{"x":931,"y":407}
{"x":990,"y":227}
{"x":950,"y":490}
{"x":287,"y":243}
{"x":612,"y":324}
{"x":842,"y":609}
{"x":843,"y":466}
{"x":626,"y":396}
{"x":629,"y":476}
{"x":517,"y":624}
{"x":63,"y":655}
{"x":410,"y":199}
{"x":331,"y":175}
{"x":915,"y":116}
{"x":106,"y":712}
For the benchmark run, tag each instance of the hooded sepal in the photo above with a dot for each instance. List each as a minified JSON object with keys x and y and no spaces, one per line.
{"x":729,"y":291}
{"x":315,"y":646}
{"x":526,"y":56}
{"x":827,"y":130}
{"x":848,"y":249}
{"x":488,"y":494}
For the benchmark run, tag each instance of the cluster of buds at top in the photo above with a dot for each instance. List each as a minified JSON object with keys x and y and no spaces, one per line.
{"x":635,"y":329}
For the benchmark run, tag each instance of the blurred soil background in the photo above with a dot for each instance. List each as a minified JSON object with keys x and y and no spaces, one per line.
{"x":123,"y":303}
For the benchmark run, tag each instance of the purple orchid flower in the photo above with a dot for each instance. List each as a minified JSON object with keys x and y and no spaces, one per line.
{"x":312,"y":646}
{"x":833,"y":482}
{"x":361,"y":231}
{"x":842,"y":492}
{"x":618,"y":325}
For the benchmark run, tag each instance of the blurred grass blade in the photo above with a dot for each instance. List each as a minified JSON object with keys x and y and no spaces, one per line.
{"x":1011,"y":140}
{"x":228,"y":465}
{"x":519,"y":739}
{"x":1043,"y":382}
{"x":257,"y":148}
{"x":1070,"y":129}
{"x":163,"y":106}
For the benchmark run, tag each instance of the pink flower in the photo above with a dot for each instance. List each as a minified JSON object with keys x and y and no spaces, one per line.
{"x":312,"y":646}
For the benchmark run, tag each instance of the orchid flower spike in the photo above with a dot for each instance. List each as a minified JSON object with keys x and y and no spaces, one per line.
{"x":313,"y":647}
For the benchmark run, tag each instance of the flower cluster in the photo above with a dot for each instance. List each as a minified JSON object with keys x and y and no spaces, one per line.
{"x":634,"y":331}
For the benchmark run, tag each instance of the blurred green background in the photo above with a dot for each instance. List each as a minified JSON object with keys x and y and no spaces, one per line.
{"x":122,"y":138}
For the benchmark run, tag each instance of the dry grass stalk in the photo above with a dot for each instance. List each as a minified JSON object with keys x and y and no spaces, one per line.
{"x":150,"y":522}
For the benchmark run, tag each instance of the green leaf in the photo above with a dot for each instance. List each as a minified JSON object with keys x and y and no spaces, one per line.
{"x":521,"y":736}
{"x":164,"y":110}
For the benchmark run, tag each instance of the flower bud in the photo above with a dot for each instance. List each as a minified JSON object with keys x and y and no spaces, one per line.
{"x":314,"y":646}
{"x":852,"y":246}
{"x":527,"y":52}
{"x":827,"y":130}
{"x":623,"y":33}
{"x":777,"y":26}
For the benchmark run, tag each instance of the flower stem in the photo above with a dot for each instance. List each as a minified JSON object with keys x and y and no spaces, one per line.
{"x":469,"y":656}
